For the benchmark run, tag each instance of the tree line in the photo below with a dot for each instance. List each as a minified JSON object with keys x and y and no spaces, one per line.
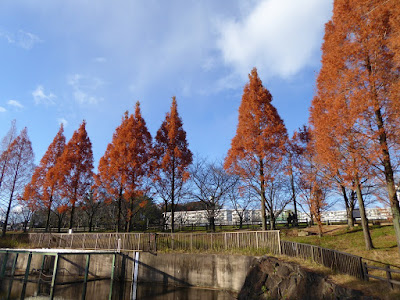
{"x":350,"y":146}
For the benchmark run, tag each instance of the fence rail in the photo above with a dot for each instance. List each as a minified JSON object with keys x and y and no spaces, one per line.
{"x":338,"y":261}
{"x":268,"y":241}
{"x":385,"y":270}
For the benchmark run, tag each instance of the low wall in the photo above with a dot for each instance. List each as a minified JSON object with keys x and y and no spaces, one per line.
{"x":227,"y":272}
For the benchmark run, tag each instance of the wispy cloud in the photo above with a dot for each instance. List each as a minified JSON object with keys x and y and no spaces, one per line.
{"x":100,"y":59}
{"x":15,"y":103}
{"x":2,"y":109}
{"x":41,"y":97}
{"x":279,"y":36}
{"x":22,"y":39}
{"x":84,"y":88}
{"x":62,"y":121}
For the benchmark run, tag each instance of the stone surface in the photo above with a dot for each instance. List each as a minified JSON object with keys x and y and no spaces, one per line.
{"x":270,"y":278}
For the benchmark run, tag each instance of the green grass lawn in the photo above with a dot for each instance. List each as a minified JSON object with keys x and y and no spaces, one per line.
{"x":352,"y":241}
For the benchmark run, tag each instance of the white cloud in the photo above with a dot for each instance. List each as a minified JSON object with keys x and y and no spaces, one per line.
{"x":23,"y":39}
{"x":15,"y":103}
{"x":62,"y":121}
{"x":40,"y":96}
{"x":27,"y":40}
{"x":279,"y":36}
{"x":84,"y":88}
{"x":2,"y":109}
{"x":100,"y":59}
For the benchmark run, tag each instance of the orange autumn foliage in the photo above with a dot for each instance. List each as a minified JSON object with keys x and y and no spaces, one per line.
{"x":126,"y":162}
{"x":44,"y":184}
{"x":172,"y":157}
{"x":259,"y":141}
{"x":74,"y":168}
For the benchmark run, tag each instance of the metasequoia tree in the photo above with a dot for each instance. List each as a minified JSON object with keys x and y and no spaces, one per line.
{"x":113,"y":168}
{"x":172,"y":158}
{"x":361,"y":71}
{"x":259,"y":141}
{"x":74,"y":169}
{"x":19,"y":170}
{"x":124,"y":167}
{"x":211,"y":186}
{"x":44,"y":184}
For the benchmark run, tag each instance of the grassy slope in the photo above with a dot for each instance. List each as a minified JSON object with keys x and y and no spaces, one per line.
{"x":352,"y":241}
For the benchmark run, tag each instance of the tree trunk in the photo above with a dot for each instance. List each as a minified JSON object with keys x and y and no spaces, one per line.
{"x":262,"y":188}
{"x":118,"y":227}
{"x":349,"y":208}
{"x":48,"y":214}
{"x":165,"y":215}
{"x":9,"y":204}
{"x":388,"y":170}
{"x":90,"y":223}
{"x":71,"y":220}
{"x":273,"y":221}
{"x":364,"y":220}
{"x":59,"y":224}
{"x":295,"y":221}
{"x":173,"y":199}
{"x":25,"y":225}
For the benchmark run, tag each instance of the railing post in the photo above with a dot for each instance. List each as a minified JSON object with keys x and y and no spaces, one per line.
{"x":95,"y":245}
{"x":86,"y":276}
{"x":28,"y":265}
{"x":191,"y":241}
{"x":389,"y":276}
{"x":112,"y":276}
{"x":226,"y":241}
{"x":365,"y":268}
{"x":12,"y":275}
{"x":54,"y":278}
{"x":257,"y":239}
{"x":279,"y":242}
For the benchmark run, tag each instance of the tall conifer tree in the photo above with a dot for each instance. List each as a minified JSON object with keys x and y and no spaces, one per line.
{"x":126,"y":163}
{"x":44,"y":184}
{"x":360,"y":74}
{"x":172,"y":158}
{"x":74,"y":168}
{"x":259,"y":141}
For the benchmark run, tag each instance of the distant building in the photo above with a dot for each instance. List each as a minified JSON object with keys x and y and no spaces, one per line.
{"x":231,"y":217}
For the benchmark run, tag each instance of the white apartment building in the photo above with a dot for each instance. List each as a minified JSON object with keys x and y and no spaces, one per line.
{"x":231,"y":217}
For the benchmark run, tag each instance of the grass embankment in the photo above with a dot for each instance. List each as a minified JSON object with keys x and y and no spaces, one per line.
{"x":14,"y":240}
{"x":352,"y":241}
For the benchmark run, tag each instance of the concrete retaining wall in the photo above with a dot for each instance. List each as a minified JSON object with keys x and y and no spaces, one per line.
{"x":226,"y":272}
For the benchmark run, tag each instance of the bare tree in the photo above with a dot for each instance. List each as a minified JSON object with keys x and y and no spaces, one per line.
{"x":19,"y":171}
{"x":211,"y":185}
{"x":242,"y":198}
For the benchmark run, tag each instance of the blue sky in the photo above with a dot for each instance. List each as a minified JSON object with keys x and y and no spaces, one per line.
{"x":65,"y":61}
